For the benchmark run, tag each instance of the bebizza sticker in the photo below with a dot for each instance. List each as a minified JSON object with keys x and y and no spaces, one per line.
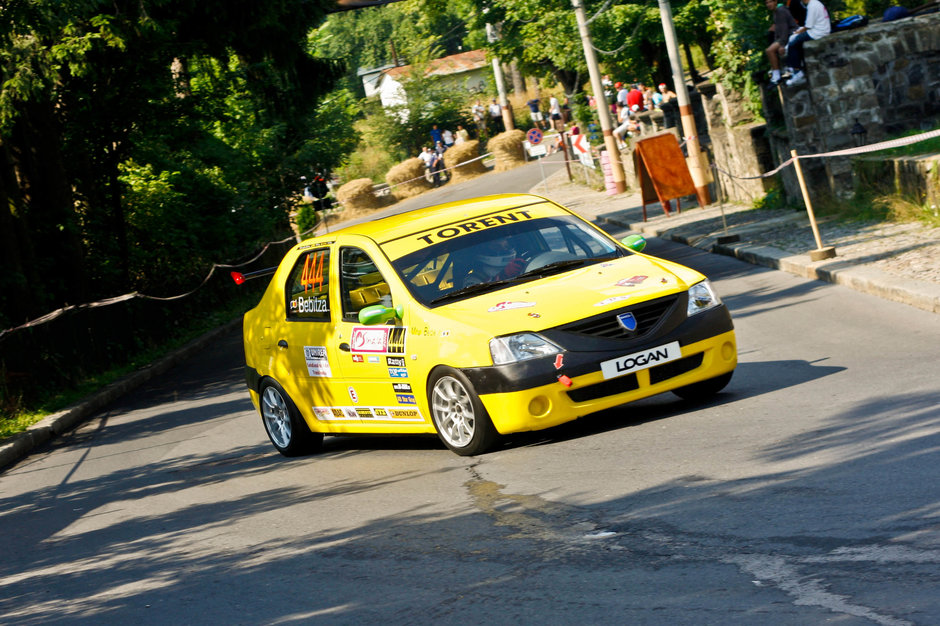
{"x":508,"y":305}
{"x":641,"y":360}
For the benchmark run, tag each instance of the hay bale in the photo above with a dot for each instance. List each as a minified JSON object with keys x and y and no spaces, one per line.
{"x":507,"y":149}
{"x":407,"y":178}
{"x":358,"y":194}
{"x":461,"y":153}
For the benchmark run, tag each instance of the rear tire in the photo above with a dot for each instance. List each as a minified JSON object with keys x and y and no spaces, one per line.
{"x":460,"y":419}
{"x":705,"y":389}
{"x":286,"y":429}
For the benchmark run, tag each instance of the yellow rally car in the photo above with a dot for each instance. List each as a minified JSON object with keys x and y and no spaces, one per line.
{"x":472,"y":319}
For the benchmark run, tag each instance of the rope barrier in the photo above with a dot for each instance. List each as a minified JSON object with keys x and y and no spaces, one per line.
{"x":883,"y":145}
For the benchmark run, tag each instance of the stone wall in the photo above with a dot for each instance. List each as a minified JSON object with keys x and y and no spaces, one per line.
{"x":885,"y":76}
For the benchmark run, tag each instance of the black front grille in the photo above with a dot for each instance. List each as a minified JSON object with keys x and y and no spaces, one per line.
{"x":647,"y":314}
{"x":607,"y":388}
{"x":672,"y":369}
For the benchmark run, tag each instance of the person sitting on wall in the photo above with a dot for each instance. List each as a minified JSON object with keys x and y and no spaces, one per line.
{"x":817,"y":26}
{"x":782,"y":28}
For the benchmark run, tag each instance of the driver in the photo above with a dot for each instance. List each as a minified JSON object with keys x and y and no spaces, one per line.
{"x":495,"y":260}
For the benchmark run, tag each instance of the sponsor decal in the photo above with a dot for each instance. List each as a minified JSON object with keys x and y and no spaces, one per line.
{"x":633,"y":281}
{"x":378,"y":339}
{"x":350,"y":412}
{"x":293,"y":305}
{"x":505,"y":306}
{"x":337,"y":412}
{"x":612,"y":300}
{"x":401,"y":387}
{"x":559,"y":361}
{"x":318,"y":365}
{"x":397,"y":372}
{"x":380,"y":412}
{"x":406,"y":413}
{"x":312,"y":305}
{"x":353,"y":395}
{"x":664,"y":280}
{"x":405,"y":398}
{"x":641,"y":360}
{"x":482,"y":223}
{"x":374,"y":359}
{"x":323,"y":412}
{"x":627,"y":321}
{"x":395,"y":361}
{"x":364,"y":412}
{"x":357,"y":358}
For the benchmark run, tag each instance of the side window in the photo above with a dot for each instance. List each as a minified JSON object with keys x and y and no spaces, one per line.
{"x":361,"y":283}
{"x":308,"y":287}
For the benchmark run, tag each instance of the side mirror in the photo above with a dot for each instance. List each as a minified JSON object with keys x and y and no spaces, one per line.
{"x":379,"y":314}
{"x":635,"y":242}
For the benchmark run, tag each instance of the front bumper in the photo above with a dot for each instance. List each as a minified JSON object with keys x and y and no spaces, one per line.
{"x":530,"y":395}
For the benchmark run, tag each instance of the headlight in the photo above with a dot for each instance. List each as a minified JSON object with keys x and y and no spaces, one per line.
{"x":702,"y":297}
{"x":521,"y":347}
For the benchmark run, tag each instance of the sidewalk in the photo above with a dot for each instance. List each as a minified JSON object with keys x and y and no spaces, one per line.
{"x":899,"y":262}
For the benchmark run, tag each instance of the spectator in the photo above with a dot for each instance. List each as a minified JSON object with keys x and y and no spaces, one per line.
{"x":817,"y":26}
{"x":479,"y":117}
{"x":436,"y":134}
{"x":622,"y":92}
{"x":496,"y":116}
{"x":554,"y":111}
{"x":635,"y":98}
{"x":535,"y":112}
{"x":462,"y":134}
{"x":782,"y":28}
{"x":448,"y":138}
{"x":427,"y":156}
{"x":666,"y":93}
{"x":437,"y":162}
{"x":648,"y":98}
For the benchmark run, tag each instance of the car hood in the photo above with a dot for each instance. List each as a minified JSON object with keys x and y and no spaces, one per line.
{"x":575,"y":294}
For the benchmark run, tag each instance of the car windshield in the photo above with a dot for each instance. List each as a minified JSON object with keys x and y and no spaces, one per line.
{"x":494,"y":258}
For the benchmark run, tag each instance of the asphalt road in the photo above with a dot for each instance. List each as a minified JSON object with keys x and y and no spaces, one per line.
{"x":805,"y":493}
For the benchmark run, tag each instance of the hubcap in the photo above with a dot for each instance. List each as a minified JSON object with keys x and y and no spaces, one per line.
{"x":276,"y":417}
{"x":453,"y":411}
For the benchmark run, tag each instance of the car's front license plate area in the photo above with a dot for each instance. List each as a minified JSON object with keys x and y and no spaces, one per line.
{"x":641,"y":360}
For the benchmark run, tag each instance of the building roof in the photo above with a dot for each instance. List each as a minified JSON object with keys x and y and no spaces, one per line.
{"x":454,"y":64}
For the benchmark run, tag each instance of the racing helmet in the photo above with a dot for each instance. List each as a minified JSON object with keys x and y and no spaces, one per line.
{"x":496,"y":254}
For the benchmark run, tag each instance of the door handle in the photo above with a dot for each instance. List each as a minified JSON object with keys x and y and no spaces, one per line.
{"x":344,"y":347}
{"x":282,"y":344}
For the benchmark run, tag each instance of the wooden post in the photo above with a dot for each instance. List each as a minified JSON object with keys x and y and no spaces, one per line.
{"x":820,"y":253}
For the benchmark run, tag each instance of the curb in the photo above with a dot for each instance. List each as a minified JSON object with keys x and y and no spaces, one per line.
{"x":916,"y":293}
{"x":43,"y":431}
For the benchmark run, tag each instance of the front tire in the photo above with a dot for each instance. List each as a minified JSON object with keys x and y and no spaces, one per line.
{"x":705,"y":389}
{"x":460,"y":419}
{"x":282,"y":421}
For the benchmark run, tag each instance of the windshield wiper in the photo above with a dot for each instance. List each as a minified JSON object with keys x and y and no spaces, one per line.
{"x":555,"y":268}
{"x":470,"y":290}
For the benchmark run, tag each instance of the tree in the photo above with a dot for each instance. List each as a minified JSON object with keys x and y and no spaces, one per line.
{"x":134,"y":130}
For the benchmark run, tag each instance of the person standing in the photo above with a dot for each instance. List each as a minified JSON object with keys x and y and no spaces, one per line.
{"x":496,"y":116}
{"x":448,"y":138}
{"x":535,"y":112}
{"x":635,"y":98}
{"x":479,"y":117}
{"x":817,"y":26}
{"x":554,"y":112}
{"x":782,"y":28}
{"x":462,"y":134}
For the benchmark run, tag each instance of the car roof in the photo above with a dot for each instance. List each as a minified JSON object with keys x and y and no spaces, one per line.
{"x":397,"y":225}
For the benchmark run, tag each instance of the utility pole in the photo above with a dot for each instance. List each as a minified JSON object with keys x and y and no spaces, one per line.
{"x":603,"y":109}
{"x":492,"y":34}
{"x":697,"y":168}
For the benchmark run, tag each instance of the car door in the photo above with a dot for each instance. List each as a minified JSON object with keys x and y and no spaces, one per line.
{"x":373,"y":357}
{"x":308,"y":341}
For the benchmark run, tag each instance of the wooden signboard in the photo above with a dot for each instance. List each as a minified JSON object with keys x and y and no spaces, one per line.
{"x":662,"y":171}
